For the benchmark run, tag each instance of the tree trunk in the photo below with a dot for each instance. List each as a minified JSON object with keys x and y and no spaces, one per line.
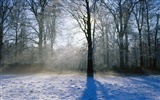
{"x":121,"y":53}
{"x":140,"y":33}
{"x":121,"y":46}
{"x":155,"y":44}
{"x":140,"y":46}
{"x":149,"y":40}
{"x":107,"y":45}
{"x":1,"y":41}
{"x":90,"y":62}
{"x":41,"y":35}
{"x":40,"y":42}
{"x":16,"y":43}
{"x":105,"y":48}
{"x":126,"y":50}
{"x":90,"y":45}
{"x":53,"y":33}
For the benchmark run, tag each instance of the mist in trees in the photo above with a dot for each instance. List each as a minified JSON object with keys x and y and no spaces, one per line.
{"x":80,"y":35}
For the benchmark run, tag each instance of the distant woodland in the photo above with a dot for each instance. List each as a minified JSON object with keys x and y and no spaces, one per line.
{"x":117,"y":34}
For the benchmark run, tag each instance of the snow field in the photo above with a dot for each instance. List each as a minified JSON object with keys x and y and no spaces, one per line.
{"x":78,"y":87}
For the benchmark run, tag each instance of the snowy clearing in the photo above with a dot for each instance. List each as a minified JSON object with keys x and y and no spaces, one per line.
{"x":78,"y":87}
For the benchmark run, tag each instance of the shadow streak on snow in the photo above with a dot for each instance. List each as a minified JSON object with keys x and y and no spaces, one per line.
{"x":94,"y":90}
{"x":2,"y":77}
{"x":150,"y":82}
{"x":90,"y":91}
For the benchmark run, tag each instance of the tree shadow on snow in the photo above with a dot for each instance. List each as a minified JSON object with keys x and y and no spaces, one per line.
{"x":149,"y":82}
{"x":2,"y":77}
{"x":94,"y":90}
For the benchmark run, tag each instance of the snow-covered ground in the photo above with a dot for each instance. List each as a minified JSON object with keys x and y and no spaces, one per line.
{"x":78,"y":87}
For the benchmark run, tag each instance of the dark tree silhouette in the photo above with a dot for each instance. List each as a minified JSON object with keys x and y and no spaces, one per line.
{"x":81,"y":11}
{"x":5,"y":9}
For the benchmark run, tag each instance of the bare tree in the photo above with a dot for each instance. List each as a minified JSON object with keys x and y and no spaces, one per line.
{"x":149,"y":19}
{"x":51,"y":15}
{"x":155,"y":41}
{"x":82,"y":12}
{"x":17,"y":22}
{"x":104,"y":25}
{"x":5,"y":9}
{"x":38,"y":9}
{"x":139,"y":17}
{"x":121,"y":11}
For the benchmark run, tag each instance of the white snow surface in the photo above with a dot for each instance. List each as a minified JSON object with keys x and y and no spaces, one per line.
{"x":79,"y":87}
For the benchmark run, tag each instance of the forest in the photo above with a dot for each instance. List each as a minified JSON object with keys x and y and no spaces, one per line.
{"x":80,"y":35}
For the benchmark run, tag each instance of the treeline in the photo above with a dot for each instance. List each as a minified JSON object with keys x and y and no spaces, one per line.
{"x":121,"y":34}
{"x":27,"y":29}
{"x":130,"y":34}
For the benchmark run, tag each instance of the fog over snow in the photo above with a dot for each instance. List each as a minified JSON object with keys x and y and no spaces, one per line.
{"x":78,"y":87}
